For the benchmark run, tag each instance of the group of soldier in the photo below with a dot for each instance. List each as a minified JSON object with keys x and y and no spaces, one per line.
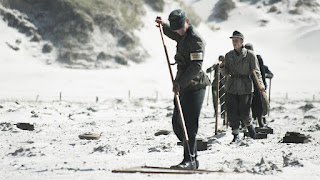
{"x":242,"y":94}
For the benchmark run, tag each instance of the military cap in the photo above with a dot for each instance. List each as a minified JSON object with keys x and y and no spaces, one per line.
{"x":249,"y":46}
{"x":177,"y":19}
{"x":237,"y":34}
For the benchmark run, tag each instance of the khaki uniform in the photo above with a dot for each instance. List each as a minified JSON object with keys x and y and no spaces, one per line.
{"x":239,"y":68}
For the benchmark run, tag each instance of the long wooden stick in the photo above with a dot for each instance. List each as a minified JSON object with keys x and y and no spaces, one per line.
{"x":269,"y":94}
{"x":208,"y":97}
{"x":183,"y":124}
{"x":269,"y":90}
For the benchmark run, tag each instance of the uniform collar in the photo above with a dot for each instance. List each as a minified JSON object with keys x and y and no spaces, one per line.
{"x":189,"y":30}
{"x":242,"y":52}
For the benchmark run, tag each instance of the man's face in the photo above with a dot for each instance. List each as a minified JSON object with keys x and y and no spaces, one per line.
{"x":237,"y":42}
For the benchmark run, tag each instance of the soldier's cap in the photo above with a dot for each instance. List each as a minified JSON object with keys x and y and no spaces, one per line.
{"x":237,"y":34}
{"x":249,"y":46}
{"x":177,"y":19}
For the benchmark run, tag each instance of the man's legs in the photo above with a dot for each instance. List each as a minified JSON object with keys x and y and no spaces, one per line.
{"x":256,"y":107}
{"x":232,"y":101}
{"x":244,"y":112}
{"x":238,"y":107}
{"x":191,"y":103}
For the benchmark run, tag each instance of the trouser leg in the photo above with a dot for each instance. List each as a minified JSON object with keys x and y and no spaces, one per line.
{"x":191,"y":104}
{"x":256,"y":105}
{"x":244,"y":108}
{"x":176,"y":123}
{"x":214,"y":99}
{"x":233,"y":109}
{"x":260,"y":122}
{"x":193,"y":149}
{"x":238,"y":107}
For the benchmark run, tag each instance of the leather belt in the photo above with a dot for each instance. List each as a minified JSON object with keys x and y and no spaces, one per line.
{"x":240,"y":76}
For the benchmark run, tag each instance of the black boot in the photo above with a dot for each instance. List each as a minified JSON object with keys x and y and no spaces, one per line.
{"x":188,"y":161}
{"x":261,"y":124}
{"x":235,"y":139}
{"x":264,"y":120}
{"x":187,"y":164}
{"x":252,"y":132}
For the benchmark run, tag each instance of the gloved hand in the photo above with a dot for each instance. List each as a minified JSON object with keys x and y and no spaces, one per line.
{"x":221,"y":64}
{"x":160,"y":21}
{"x":269,"y":76}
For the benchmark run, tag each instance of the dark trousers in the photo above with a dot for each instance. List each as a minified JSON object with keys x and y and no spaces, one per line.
{"x":259,"y":106}
{"x":191,"y":103}
{"x":238,"y":109}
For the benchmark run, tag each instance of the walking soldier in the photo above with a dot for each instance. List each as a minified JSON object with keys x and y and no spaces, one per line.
{"x":238,"y":65}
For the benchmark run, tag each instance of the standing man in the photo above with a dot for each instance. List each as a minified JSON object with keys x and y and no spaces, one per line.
{"x":238,"y":65}
{"x":190,"y":82}
{"x":259,"y":107}
{"x":214,"y":86}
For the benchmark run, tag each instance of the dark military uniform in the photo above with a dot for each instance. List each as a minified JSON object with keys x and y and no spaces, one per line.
{"x":189,"y":57}
{"x":268,"y":74}
{"x":259,"y":106}
{"x":192,"y":81}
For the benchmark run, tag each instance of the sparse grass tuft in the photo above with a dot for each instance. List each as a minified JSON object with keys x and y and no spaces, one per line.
{"x":128,"y":12}
{"x":157,"y":5}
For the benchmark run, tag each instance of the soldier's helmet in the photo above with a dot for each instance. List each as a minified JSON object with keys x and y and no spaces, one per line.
{"x":177,"y":19}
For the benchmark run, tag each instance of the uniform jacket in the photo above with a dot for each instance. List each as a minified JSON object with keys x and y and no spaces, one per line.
{"x":259,"y":106}
{"x":239,"y":66}
{"x":269,"y":74}
{"x":265,"y":72}
{"x":262,"y":71}
{"x":189,"y":58}
{"x":214,"y":83}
